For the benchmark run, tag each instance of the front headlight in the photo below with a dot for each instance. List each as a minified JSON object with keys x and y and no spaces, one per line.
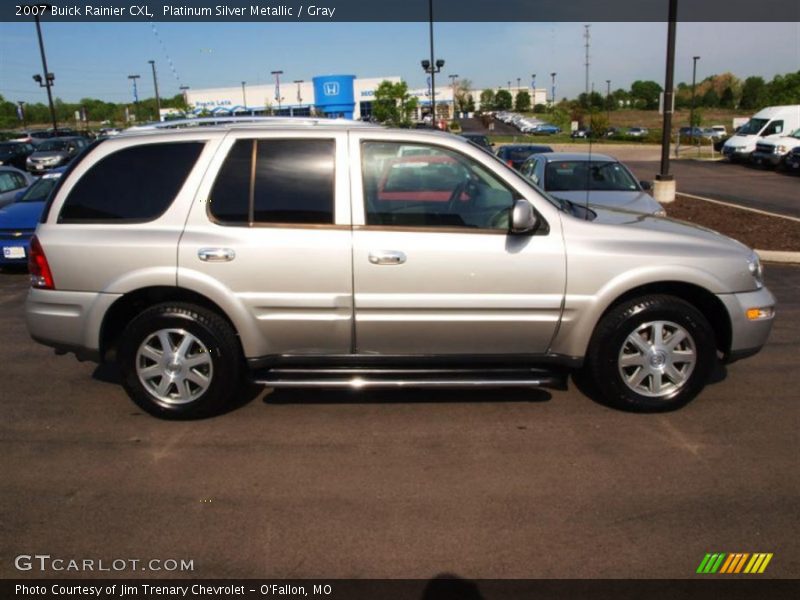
{"x":756,"y":269}
{"x":782,"y":149}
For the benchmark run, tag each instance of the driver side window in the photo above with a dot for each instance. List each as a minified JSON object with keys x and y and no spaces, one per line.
{"x":415,"y":185}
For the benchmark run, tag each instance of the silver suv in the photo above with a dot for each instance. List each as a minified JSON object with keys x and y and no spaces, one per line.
{"x":304,"y":253}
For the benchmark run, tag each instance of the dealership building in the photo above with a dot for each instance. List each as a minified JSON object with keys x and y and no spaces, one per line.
{"x":343,"y":96}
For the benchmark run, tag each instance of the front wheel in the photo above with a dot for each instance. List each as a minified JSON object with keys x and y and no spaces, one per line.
{"x":180,"y":361}
{"x":651,"y":354}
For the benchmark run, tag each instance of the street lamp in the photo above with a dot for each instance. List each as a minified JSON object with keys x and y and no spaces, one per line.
{"x":453,"y":84}
{"x":135,"y":93}
{"x":428,"y":65}
{"x":155,"y":85}
{"x":608,"y":101}
{"x":299,"y":82}
{"x":244,"y":96}
{"x":553,"y":75}
{"x":694,"y":80}
{"x":277,"y":87}
{"x":49,"y":77}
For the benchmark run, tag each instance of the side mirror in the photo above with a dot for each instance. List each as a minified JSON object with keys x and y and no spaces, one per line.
{"x":646,"y":185}
{"x":523,"y":217}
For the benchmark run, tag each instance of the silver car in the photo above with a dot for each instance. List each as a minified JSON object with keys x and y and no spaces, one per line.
{"x":303,"y":253}
{"x":594,"y":179}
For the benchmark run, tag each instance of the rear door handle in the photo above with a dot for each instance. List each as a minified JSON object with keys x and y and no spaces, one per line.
{"x":387,"y":257}
{"x":216,"y":254}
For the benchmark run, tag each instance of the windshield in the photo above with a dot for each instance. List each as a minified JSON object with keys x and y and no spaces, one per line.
{"x":563,"y":176}
{"x":52,"y":146}
{"x":753,"y":126}
{"x":40,"y":190}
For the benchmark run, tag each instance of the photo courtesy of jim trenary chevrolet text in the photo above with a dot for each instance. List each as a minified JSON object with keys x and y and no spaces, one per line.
{"x":399,"y":299}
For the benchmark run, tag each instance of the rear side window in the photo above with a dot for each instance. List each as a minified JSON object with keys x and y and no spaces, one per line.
{"x":276,"y":181}
{"x":134,"y":184}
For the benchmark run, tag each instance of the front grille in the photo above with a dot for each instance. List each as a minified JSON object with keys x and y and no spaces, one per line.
{"x":765,"y":148}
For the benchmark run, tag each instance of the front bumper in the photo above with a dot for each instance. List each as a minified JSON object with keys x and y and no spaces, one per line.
{"x":748,"y":336}
{"x":764,"y":158}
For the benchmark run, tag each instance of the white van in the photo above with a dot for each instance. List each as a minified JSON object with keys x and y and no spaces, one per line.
{"x":775,"y":120}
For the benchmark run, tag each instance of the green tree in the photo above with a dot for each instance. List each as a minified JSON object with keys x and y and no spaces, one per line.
{"x":470,"y":106}
{"x":487,"y":100}
{"x":645,"y":94}
{"x":462,"y":88}
{"x":727,"y":100}
{"x":754,"y":92}
{"x":393,"y":104}
{"x":522,"y":102}
{"x":784,"y":89}
{"x":502,"y":100}
{"x":711,"y":98}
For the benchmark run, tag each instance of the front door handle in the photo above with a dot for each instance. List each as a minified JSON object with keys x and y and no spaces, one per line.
{"x":216,"y":254}
{"x":387,"y":257}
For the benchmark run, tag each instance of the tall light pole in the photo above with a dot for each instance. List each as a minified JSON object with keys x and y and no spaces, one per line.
{"x":608,"y":101}
{"x":694,"y":80}
{"x":665,"y":183}
{"x":49,"y":77}
{"x":135,"y":94}
{"x":553,"y":75}
{"x":21,"y":113}
{"x":433,"y":62}
{"x":587,"y":36}
{"x":155,"y":85}
{"x":299,"y":82}
{"x":244,"y":96}
{"x":533,"y":89}
{"x":277,"y":87}
{"x":453,"y":85}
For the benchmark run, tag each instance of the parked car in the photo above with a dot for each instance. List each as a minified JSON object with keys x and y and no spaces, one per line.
{"x":15,"y":154}
{"x":479,"y":140}
{"x":516,"y":154}
{"x":689,"y":132}
{"x":596,"y":179}
{"x":12,"y":181}
{"x":55,"y":152}
{"x":720,"y":130}
{"x":33,"y":136}
{"x":775,"y":120}
{"x":793,"y":160}
{"x":774,"y":150}
{"x":265,"y":252}
{"x":637,"y":131}
{"x":546,"y":129}
{"x":581,"y":133}
{"x":19,"y":219}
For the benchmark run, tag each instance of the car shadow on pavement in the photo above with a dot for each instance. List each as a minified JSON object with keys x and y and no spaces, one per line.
{"x":447,"y":586}
{"x":405,"y":396}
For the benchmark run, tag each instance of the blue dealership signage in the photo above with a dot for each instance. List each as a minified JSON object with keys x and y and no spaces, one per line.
{"x":334,"y":96}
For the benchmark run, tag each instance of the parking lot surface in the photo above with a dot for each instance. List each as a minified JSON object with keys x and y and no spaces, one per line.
{"x":404,"y":484}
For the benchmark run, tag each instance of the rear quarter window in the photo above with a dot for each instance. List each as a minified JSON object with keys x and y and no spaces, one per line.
{"x":134,"y":184}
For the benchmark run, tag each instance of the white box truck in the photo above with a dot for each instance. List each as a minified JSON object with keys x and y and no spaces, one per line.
{"x":771,"y":121}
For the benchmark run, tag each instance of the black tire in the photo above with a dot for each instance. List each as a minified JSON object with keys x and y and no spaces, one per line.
{"x":212,"y":342}
{"x":611,"y":339}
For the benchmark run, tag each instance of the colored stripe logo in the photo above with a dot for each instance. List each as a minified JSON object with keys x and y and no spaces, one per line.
{"x":734,"y":563}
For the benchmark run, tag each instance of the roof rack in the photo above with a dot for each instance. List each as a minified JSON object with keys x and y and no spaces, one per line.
{"x":233,"y":121}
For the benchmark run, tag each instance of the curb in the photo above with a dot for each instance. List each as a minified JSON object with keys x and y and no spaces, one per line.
{"x":731,"y":205}
{"x":779,"y":256}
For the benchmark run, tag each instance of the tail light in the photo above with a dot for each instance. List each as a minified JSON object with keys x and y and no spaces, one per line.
{"x":41,"y":277}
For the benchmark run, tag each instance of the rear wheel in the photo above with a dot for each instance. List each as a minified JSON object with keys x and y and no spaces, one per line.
{"x":651,"y":354}
{"x":180,"y":361}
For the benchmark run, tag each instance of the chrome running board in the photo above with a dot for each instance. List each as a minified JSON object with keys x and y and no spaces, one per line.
{"x":361,"y":378}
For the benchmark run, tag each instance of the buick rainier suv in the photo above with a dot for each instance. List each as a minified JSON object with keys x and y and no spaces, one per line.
{"x":305,"y":253}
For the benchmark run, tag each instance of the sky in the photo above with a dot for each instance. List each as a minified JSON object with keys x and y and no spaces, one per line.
{"x":94,"y":59}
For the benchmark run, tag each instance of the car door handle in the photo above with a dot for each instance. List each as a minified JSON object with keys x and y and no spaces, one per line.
{"x":216,"y":254}
{"x":387,"y":257}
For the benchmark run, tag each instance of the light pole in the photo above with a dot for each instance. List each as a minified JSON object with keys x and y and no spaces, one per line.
{"x":244,"y":96}
{"x":553,"y":75}
{"x":155,"y":85}
{"x":49,"y":77}
{"x":299,"y":82}
{"x":21,"y":113}
{"x":664,"y":190}
{"x":533,"y":89}
{"x":691,"y":110}
{"x":453,"y":85}
{"x":277,"y":87}
{"x":428,"y":65}
{"x":135,"y":94}
{"x":608,"y":101}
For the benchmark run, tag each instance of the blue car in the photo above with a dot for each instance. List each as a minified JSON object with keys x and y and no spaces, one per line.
{"x":18,"y":220}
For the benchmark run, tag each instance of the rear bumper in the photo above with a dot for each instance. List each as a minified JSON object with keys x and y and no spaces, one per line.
{"x":747,"y":336}
{"x":15,"y":251}
{"x":68,"y":321}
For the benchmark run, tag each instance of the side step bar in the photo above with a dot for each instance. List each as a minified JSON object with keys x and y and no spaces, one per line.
{"x":356,"y":378}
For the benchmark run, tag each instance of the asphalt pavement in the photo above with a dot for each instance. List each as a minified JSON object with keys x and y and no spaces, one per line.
{"x":489,"y":484}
